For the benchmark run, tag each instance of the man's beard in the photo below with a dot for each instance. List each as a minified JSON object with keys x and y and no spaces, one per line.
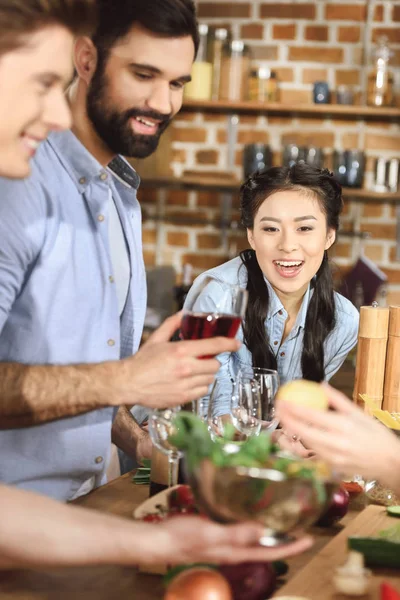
{"x":114,"y":127}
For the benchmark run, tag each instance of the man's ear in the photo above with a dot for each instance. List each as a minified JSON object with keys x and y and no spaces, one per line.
{"x":85,"y":58}
{"x":250,"y":238}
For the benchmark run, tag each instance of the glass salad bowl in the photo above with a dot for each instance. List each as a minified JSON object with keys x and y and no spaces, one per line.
{"x":283,"y":496}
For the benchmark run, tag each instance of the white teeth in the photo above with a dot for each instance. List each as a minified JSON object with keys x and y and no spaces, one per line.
{"x":283,"y":263}
{"x":148,"y":123}
{"x":34,"y":144}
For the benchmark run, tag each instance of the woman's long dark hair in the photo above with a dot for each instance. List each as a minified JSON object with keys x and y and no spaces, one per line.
{"x":320,"y":318}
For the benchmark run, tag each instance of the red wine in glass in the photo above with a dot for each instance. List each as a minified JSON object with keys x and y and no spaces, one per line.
{"x":197,"y":325}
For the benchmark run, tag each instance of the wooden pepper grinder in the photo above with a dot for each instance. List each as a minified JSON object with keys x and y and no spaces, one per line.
{"x":371,"y":354}
{"x":391,"y":391}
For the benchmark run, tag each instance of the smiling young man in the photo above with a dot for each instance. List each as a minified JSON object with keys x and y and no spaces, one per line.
{"x":72,"y":279}
{"x":32,"y":77}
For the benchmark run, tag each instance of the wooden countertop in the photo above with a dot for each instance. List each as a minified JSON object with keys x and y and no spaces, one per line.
{"x":120,"y":497}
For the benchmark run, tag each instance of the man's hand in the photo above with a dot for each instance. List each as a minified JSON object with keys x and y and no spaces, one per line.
{"x":194,"y":539}
{"x":128,"y":435}
{"x":164,"y":373}
{"x":144,"y":446}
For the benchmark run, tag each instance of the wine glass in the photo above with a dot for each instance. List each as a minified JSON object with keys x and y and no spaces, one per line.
{"x":213,"y":310}
{"x":161,"y":427}
{"x":220,"y":419}
{"x":268,"y":381}
{"x":246,"y":405}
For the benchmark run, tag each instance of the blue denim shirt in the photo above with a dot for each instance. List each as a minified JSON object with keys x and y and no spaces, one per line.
{"x":288,"y":354}
{"x":58,"y":303}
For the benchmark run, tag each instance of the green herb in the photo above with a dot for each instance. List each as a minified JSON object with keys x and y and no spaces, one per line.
{"x":193,"y":438}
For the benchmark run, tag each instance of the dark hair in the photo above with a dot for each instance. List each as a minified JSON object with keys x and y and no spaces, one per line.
{"x":321,"y":311}
{"x":169,"y":18}
{"x":19,"y":18}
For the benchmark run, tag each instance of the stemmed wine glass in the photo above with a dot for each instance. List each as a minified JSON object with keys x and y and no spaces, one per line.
{"x":246,"y":405}
{"x":236,"y":405}
{"x":204,"y":317}
{"x":161,"y":427}
{"x":268,"y":382}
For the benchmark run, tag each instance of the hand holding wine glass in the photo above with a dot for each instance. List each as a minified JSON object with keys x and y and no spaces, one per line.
{"x":204,"y":319}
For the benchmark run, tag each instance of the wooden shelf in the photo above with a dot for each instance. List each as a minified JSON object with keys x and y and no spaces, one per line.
{"x":339,"y":111}
{"x":217,"y":184}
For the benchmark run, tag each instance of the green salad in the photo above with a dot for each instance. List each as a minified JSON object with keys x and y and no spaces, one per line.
{"x":192,"y":437}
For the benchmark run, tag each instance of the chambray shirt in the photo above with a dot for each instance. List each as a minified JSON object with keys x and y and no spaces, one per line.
{"x":58,"y":302}
{"x":288,"y":354}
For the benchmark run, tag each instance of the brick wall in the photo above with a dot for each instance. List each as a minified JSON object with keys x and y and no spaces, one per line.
{"x":303,"y":42}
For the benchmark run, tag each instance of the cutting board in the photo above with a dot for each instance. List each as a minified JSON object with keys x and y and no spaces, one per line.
{"x":314,"y":582}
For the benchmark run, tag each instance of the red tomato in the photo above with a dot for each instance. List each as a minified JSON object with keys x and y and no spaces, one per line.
{"x":181,"y":498}
{"x":153,"y":518}
{"x":388,"y":592}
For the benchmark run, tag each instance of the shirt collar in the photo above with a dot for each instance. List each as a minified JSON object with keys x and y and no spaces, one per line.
{"x":275,"y":306}
{"x":82,"y":165}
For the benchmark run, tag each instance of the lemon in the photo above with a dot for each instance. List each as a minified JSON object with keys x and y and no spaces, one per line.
{"x":305,"y":393}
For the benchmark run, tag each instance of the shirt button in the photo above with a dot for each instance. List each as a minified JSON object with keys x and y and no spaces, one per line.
{"x":282,"y":354}
{"x":280,"y":312}
{"x":276,"y":343}
{"x":99,"y":460}
{"x":103,"y":176}
{"x":82,"y":180}
{"x":111,"y":342}
{"x":111,"y":279}
{"x":101,"y":218}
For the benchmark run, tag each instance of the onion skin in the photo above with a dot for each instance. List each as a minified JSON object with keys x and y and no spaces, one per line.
{"x":336,"y":510}
{"x":199,"y":584}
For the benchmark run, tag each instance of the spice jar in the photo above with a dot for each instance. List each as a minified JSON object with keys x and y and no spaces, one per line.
{"x":219,"y":38}
{"x":235,"y":68}
{"x":201,"y":85}
{"x":263,"y":85}
{"x":380,"y":79}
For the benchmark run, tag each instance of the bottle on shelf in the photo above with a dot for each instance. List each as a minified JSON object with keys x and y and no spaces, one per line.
{"x":182,"y":290}
{"x":219,"y":37}
{"x":200,"y":87}
{"x":235,"y":70}
{"x":263,"y":85}
{"x":380,"y":79}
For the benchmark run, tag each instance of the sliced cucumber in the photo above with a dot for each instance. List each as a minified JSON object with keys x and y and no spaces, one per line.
{"x":393,"y":511}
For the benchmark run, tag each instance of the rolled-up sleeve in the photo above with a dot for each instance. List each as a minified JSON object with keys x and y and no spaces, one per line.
{"x":22,"y":230}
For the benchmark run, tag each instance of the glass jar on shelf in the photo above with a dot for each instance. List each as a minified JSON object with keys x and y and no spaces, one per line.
{"x":219,"y":37}
{"x":235,"y":69}
{"x":263,"y":85}
{"x":380,"y":78}
{"x":200,"y":87}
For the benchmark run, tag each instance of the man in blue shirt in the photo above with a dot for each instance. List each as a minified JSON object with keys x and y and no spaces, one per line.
{"x":72,"y":280}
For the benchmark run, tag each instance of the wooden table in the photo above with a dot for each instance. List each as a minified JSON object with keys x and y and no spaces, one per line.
{"x":119,"y":497}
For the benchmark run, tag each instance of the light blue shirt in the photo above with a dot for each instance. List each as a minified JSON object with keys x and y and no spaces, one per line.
{"x":58,"y":302}
{"x":288,"y":354}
